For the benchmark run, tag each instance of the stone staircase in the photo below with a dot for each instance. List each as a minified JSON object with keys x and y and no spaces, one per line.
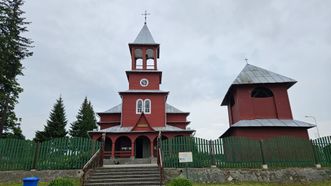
{"x":125,"y":175}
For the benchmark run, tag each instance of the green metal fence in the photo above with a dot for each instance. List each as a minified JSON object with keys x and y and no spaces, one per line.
{"x":239,"y":152}
{"x":59,"y":153}
{"x":16,"y":154}
{"x":322,"y":150}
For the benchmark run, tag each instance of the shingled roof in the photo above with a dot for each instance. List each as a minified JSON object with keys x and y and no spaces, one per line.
{"x":256,"y":75}
{"x":144,"y":36}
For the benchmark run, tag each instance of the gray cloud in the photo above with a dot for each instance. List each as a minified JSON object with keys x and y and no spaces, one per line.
{"x":81,"y":50}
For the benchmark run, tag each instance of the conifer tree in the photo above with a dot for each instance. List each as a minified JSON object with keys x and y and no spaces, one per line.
{"x":13,"y":49}
{"x":85,"y":120}
{"x":56,"y":123}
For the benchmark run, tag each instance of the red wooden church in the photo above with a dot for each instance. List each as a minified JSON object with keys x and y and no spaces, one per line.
{"x":131,"y":128}
{"x":259,"y":107}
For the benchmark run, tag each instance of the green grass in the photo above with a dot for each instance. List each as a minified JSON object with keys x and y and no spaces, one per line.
{"x":324,"y":183}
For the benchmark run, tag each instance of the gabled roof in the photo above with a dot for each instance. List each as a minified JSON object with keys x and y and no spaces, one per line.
{"x":142,"y":124}
{"x":272,"y":123}
{"x":118,"y":109}
{"x":144,"y":36}
{"x":251,"y":74}
{"x":254,"y":75}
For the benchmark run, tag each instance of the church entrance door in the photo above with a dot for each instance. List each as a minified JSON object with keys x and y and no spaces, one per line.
{"x":142,"y":147}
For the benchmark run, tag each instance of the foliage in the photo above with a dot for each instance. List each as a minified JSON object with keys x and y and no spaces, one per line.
{"x":85,"y":122}
{"x":56,"y":123}
{"x":13,"y":49}
{"x":180,"y":182}
{"x":61,"y":182}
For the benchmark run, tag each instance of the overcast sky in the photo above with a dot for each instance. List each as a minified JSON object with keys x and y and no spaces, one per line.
{"x":81,"y":49}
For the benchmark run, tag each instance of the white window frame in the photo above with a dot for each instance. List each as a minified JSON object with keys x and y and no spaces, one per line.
{"x":150,"y":106}
{"x":137,"y":106}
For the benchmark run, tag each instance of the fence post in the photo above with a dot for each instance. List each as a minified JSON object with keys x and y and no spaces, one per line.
{"x":317,"y":164}
{"x":212,"y":153}
{"x":264,"y":165}
{"x":36,"y":155}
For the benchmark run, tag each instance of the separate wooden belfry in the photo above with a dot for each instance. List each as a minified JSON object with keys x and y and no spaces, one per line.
{"x":259,"y":107}
{"x":130,"y":129}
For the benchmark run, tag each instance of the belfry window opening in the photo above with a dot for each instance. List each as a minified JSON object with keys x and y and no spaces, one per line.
{"x":261,"y":92}
{"x":143,"y":106}
{"x":150,"y":59}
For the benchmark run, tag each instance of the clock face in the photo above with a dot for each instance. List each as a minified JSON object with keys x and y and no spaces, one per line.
{"x":143,"y":82}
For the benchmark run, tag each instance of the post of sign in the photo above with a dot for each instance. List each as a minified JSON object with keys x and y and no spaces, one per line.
{"x":185,"y":157}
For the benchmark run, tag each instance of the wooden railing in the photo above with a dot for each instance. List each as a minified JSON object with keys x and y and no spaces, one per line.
{"x":159,"y":158}
{"x":93,"y":163}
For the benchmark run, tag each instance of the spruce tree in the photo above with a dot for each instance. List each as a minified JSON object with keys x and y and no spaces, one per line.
{"x":85,"y":120}
{"x":13,"y":49}
{"x":56,"y":123}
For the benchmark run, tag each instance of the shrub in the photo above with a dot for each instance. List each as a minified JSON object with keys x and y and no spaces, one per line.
{"x":180,"y":182}
{"x":61,"y":182}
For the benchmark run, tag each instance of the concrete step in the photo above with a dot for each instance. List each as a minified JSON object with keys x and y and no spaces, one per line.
{"x":111,"y":180}
{"x":135,"y":174}
{"x":125,"y":168}
{"x":105,"y":176}
{"x":143,"y":183}
{"x":121,"y":161}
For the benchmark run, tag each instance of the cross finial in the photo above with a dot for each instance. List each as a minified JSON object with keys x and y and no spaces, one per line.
{"x":246,"y":60}
{"x":145,"y":14}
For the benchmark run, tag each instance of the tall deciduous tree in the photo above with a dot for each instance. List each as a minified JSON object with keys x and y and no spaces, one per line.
{"x":13,"y":49}
{"x":56,"y":123}
{"x":86,"y":120}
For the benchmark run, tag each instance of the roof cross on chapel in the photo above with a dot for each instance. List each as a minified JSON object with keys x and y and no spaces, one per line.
{"x":145,"y":14}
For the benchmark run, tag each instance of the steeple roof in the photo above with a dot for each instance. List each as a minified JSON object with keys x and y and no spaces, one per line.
{"x":255,"y":75}
{"x":144,"y":36}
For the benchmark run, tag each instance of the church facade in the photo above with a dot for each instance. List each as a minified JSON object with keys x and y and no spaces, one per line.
{"x":130,"y":129}
{"x":259,"y":107}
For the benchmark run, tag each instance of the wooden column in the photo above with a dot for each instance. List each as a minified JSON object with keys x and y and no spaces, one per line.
{"x":132,"y":150}
{"x":133,"y":59}
{"x":155,"y":58}
{"x":152,"y":148}
{"x":144,"y":59}
{"x":113,"y":150}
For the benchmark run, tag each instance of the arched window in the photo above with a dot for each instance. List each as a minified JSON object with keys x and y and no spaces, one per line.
{"x":261,"y":92}
{"x":147,"y":106}
{"x":139,"y":63}
{"x":150,"y":64}
{"x":139,"y":106}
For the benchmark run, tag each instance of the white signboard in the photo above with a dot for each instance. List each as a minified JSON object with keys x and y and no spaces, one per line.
{"x":185,"y":157}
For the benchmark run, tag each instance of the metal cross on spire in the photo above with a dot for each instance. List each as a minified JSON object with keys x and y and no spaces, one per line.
{"x":246,"y":60}
{"x":145,"y":14}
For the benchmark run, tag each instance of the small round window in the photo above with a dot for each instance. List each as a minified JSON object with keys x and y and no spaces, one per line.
{"x":144,"y":82}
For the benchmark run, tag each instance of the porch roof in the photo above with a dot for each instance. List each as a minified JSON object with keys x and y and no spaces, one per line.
{"x":119,"y":129}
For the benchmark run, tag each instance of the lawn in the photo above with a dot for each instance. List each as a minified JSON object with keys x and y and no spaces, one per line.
{"x":325,"y":183}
